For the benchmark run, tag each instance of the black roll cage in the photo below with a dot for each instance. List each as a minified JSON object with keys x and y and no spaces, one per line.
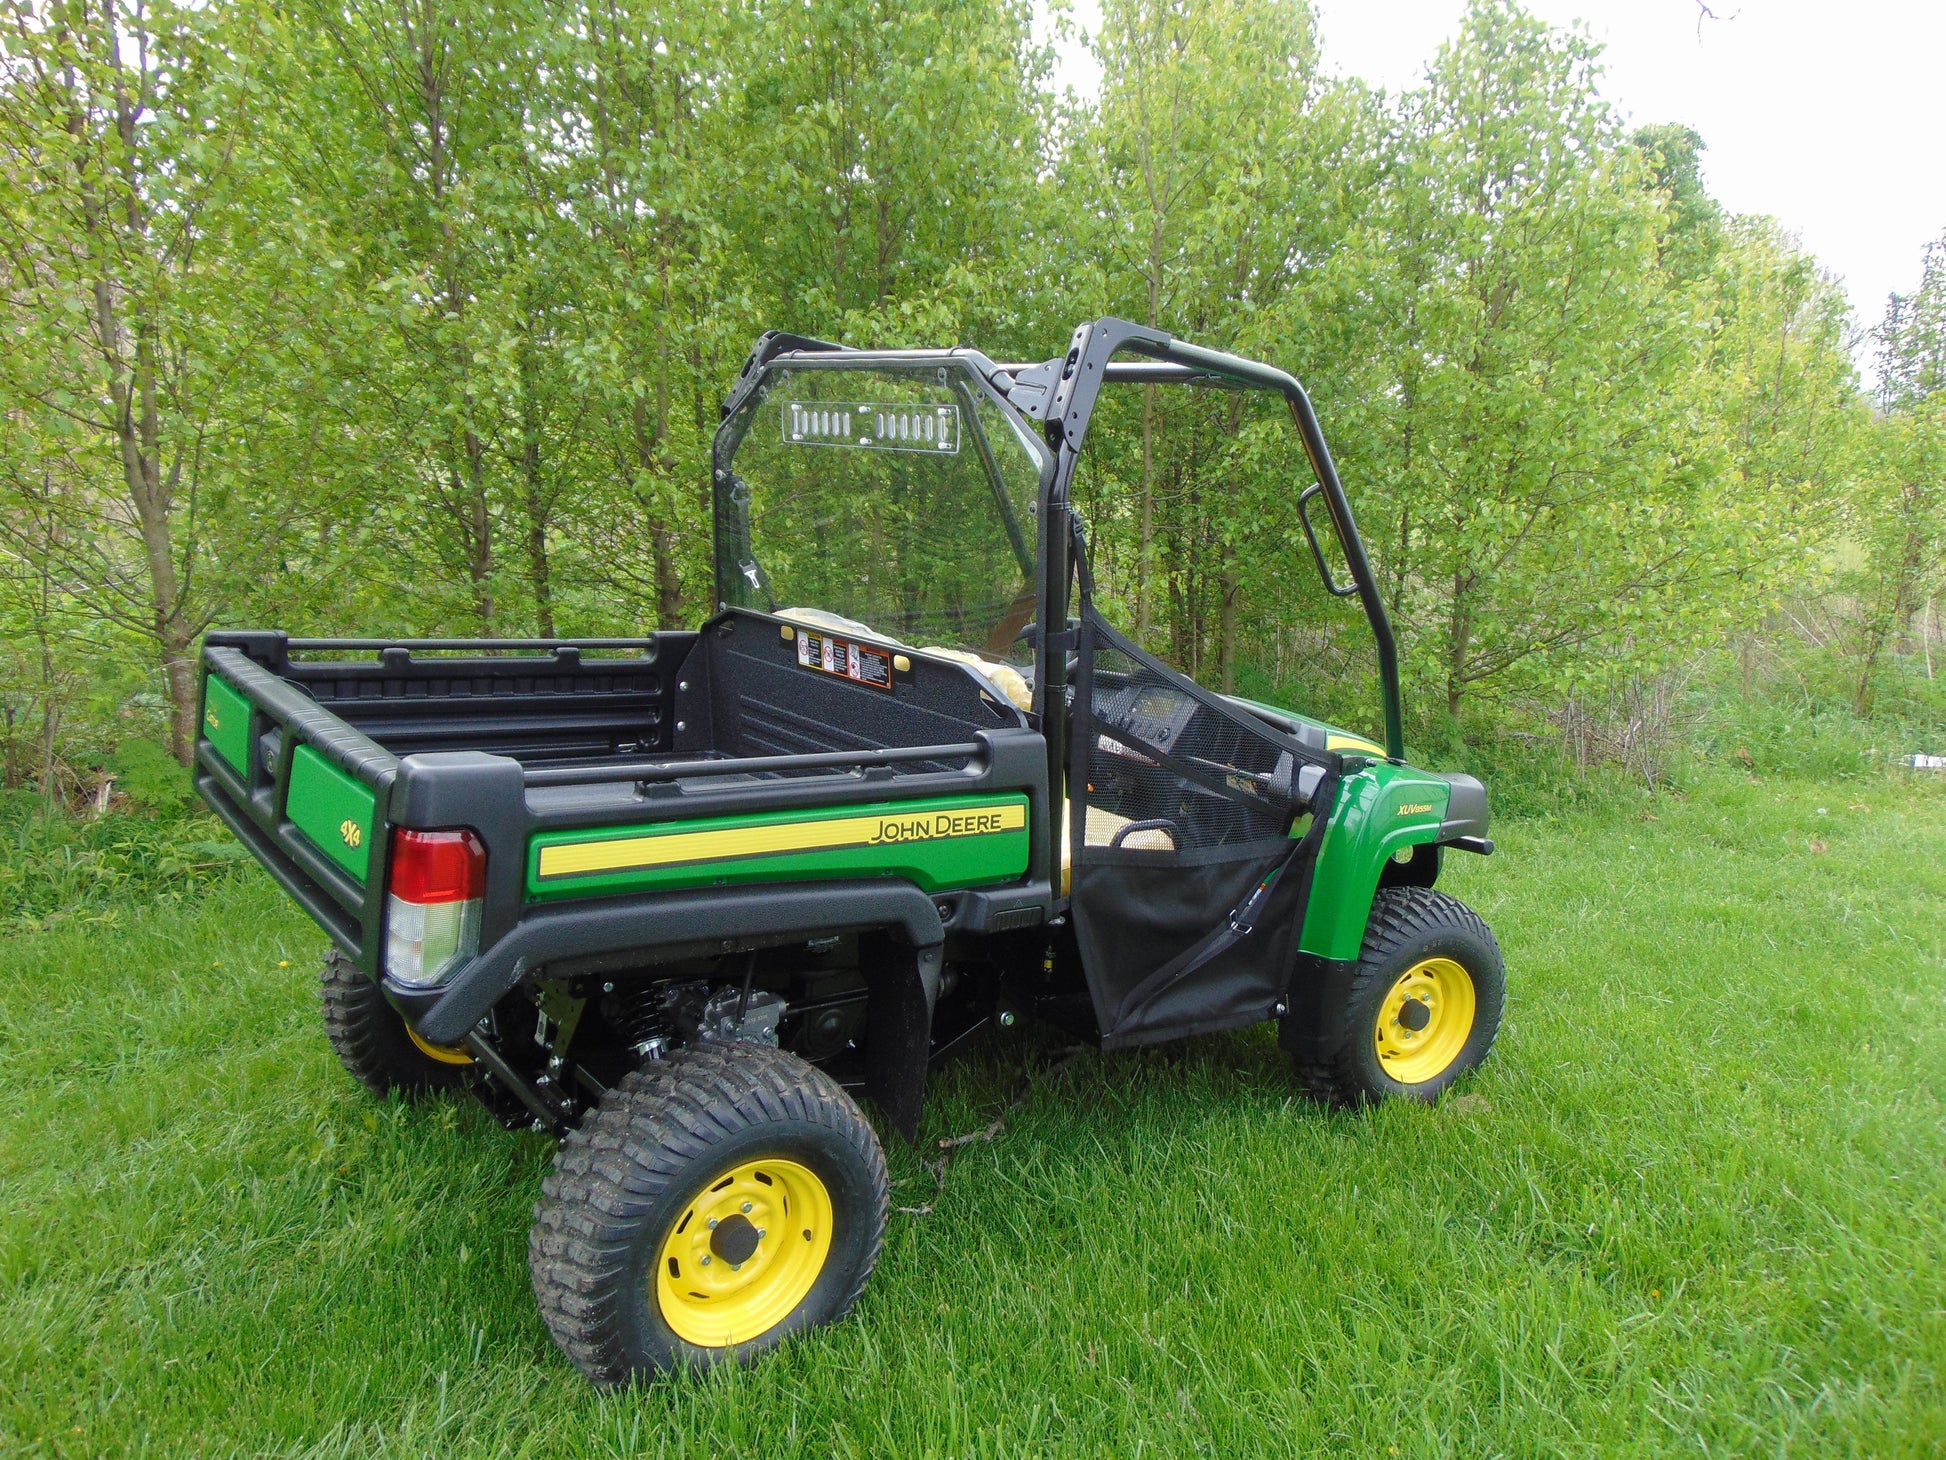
{"x":1060,"y":396}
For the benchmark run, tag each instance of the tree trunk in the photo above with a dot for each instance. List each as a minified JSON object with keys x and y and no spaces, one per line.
{"x":50,"y":709}
{"x":1227,"y":629}
{"x":537,"y":504}
{"x":478,"y":526}
{"x":1399,"y":567}
{"x":174,"y":636}
{"x":653,"y":466}
{"x":1861,"y":701}
{"x":1459,"y":637}
{"x":138,"y":423}
{"x":1146,"y":549}
{"x":537,"y":564}
{"x":668,"y":581}
{"x":138,"y":430}
{"x":1146,"y":545}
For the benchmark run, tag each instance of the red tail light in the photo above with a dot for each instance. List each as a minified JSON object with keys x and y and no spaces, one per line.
{"x":437,"y":888}
{"x":437,"y":866}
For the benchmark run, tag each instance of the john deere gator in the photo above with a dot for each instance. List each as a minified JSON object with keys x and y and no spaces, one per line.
{"x":678,"y":900}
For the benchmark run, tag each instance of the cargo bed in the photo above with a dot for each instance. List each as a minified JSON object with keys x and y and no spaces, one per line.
{"x":314,"y":750}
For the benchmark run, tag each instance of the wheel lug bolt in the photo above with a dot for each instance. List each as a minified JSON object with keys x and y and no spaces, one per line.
{"x":762,"y":1232}
{"x":712,"y":1224}
{"x":746,"y":1206}
{"x":706,"y":1259}
{"x":736,"y":1267}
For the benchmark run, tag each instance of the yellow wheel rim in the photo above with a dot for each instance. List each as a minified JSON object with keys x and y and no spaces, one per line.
{"x":744,"y":1253}
{"x":445,"y":1054}
{"x":1425,"y":1021}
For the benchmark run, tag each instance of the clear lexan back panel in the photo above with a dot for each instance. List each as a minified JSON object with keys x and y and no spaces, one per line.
{"x":902,"y":499}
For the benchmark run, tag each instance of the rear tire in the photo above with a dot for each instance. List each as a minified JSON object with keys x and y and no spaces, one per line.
{"x":372,"y":1042}
{"x":643,"y":1259}
{"x":1423,"y":1008}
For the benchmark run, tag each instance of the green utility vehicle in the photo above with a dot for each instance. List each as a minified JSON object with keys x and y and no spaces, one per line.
{"x":677,"y":899}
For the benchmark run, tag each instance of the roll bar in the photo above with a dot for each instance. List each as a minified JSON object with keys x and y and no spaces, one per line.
{"x":1062,"y":394}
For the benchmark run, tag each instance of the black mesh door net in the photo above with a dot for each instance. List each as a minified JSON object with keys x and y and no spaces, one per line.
{"x":1190,"y":865}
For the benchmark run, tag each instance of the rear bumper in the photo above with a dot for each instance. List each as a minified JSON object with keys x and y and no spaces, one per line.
{"x":252,"y":794}
{"x":332,"y":899}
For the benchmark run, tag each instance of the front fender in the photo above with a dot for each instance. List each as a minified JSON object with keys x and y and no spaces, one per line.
{"x":1381,"y":810}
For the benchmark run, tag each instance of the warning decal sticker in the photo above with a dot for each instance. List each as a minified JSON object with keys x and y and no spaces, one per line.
{"x":866,"y":664}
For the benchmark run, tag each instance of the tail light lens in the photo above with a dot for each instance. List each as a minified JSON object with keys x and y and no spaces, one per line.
{"x":436,"y":886}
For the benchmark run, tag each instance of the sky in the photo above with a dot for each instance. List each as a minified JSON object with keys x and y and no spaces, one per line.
{"x":1829,"y":115}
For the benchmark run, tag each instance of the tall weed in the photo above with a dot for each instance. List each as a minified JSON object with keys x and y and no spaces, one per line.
{"x":56,"y":868}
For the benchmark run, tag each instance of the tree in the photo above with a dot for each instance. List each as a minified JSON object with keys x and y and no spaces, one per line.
{"x":1781,"y":411}
{"x":142,"y":299}
{"x":1899,"y":510}
{"x":410,"y":133}
{"x":891,"y":164}
{"x":655,"y":162}
{"x":1533,"y":466}
{"x":1222,"y":171}
{"x":1912,"y":338}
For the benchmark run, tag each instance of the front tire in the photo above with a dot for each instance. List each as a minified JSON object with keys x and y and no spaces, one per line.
{"x":710,"y":1207}
{"x":1424,"y":1004}
{"x":373,"y":1043}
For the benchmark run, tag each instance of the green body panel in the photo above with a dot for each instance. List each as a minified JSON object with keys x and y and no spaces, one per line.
{"x":1380,"y":809}
{"x":226,"y":722}
{"x":332,"y":809}
{"x":935,"y":864}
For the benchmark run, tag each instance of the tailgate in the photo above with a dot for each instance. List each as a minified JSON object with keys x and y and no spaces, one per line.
{"x":302,"y":790}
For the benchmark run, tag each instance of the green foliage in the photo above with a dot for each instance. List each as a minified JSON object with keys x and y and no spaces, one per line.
{"x":1544,"y":481}
{"x":1898,"y":516}
{"x":1821,"y":742}
{"x":342,"y":317}
{"x":149,"y":776}
{"x":1789,"y":707}
{"x":57,"y":869}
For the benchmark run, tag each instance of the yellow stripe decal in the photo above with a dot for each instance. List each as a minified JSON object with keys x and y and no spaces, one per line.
{"x":669,"y":849}
{"x":1352,"y":742}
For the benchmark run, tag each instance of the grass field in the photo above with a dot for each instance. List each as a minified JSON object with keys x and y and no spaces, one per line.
{"x":1696,"y":1204}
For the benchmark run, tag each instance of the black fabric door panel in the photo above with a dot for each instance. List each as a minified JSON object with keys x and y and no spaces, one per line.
{"x":1181,"y":807}
{"x":1136,"y":911}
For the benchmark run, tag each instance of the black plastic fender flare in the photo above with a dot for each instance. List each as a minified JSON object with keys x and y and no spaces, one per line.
{"x":676,"y":919}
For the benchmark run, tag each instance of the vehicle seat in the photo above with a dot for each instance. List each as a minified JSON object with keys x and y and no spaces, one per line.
{"x":1100,"y":832}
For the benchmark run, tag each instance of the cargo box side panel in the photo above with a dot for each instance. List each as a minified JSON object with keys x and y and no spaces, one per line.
{"x":334,"y":811}
{"x":939,"y":845}
{"x":226,"y":721}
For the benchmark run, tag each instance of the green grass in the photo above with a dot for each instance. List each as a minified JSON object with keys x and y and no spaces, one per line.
{"x":1693,"y":1205}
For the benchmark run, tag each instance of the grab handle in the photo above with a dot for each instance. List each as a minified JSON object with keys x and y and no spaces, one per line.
{"x":1304,"y":516}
